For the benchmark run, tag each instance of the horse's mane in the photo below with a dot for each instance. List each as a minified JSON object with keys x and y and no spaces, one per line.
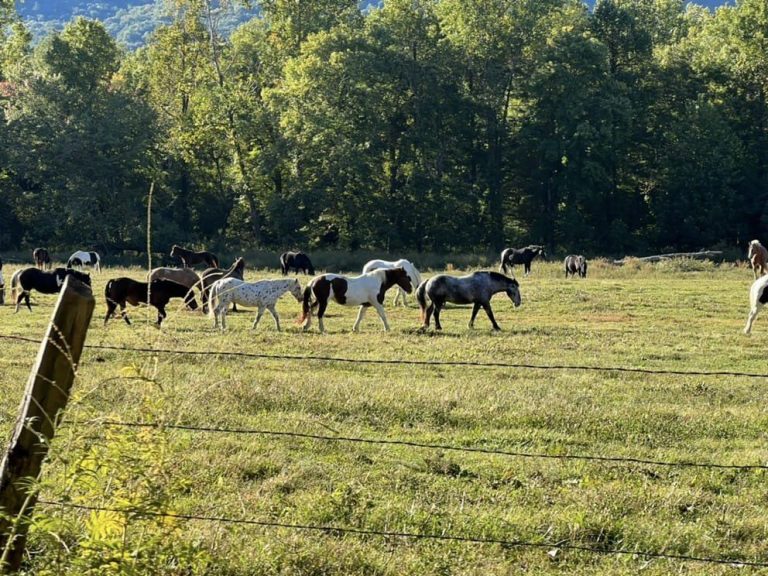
{"x":499,"y":277}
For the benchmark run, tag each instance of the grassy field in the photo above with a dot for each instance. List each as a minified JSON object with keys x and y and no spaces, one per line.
{"x":673,"y":316}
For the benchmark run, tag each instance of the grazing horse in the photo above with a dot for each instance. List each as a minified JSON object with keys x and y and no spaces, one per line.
{"x":298,"y":261}
{"x":44,"y":282}
{"x":2,"y":284}
{"x":758,"y":297}
{"x":210,"y":275}
{"x":190,"y":258}
{"x":263,"y":294}
{"x":82,"y":258}
{"x":184,"y":276}
{"x":409,"y":268}
{"x":524,"y":256}
{"x":477,"y":288}
{"x":42,"y":258}
{"x":576,"y":265}
{"x":366,"y":290}
{"x":758,"y":258}
{"x":121,"y":290}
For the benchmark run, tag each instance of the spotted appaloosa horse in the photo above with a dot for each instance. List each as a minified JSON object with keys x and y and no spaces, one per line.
{"x":82,"y":258}
{"x":576,"y":264}
{"x":120,"y":291}
{"x":190,"y":258}
{"x":42,"y":258}
{"x":524,"y":256}
{"x":409,"y":268}
{"x":364,"y":291}
{"x":297,"y":261}
{"x":44,"y":282}
{"x":758,"y":258}
{"x":263,"y":294}
{"x":477,"y":289}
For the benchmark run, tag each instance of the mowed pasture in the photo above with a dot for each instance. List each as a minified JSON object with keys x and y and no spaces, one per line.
{"x":684,"y":316}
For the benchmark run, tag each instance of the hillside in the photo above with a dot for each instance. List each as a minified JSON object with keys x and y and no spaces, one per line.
{"x":131,"y":21}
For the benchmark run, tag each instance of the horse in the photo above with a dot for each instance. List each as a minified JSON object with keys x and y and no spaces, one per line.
{"x":758,"y":297}
{"x":82,"y":258}
{"x":298,"y":261}
{"x":476,"y":288}
{"x":184,"y":276}
{"x":210,"y":275}
{"x":575,"y":265}
{"x":524,"y":256}
{"x":190,"y":258}
{"x":365,"y":290}
{"x":44,"y":282}
{"x":758,"y":257}
{"x":2,"y":284}
{"x":118,"y":291}
{"x":263,"y":294}
{"x":42,"y":258}
{"x":409,"y":268}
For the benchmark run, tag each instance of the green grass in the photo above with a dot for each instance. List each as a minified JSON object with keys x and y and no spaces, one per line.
{"x":681,"y":316}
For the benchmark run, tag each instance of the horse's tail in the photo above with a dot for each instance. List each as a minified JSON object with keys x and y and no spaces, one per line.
{"x":14,"y":283}
{"x":421,"y":297}
{"x":306,"y":304}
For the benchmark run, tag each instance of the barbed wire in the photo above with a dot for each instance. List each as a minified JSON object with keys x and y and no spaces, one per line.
{"x":406,"y":362}
{"x":517,"y":543}
{"x":430,"y":446}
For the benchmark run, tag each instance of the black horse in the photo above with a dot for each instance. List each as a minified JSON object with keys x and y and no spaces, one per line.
{"x":2,"y":284}
{"x":120,"y":291}
{"x":190,"y":258}
{"x":524,"y":256}
{"x":477,"y":289}
{"x":42,"y":258}
{"x":298,"y":261}
{"x":209,"y":276}
{"x":575,"y":264}
{"x":44,"y":282}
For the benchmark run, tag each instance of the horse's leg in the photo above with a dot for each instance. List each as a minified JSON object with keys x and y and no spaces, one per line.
{"x":475,"y":310}
{"x":19,"y":298}
{"x":398,"y":292}
{"x":275,"y":316}
{"x":26,"y":301}
{"x":124,"y":314}
{"x":360,"y":314}
{"x":751,"y":317}
{"x":438,"y":307}
{"x":382,"y":315}
{"x":489,"y":312}
{"x":428,"y":314}
{"x":323,"y":304}
{"x":110,"y":310}
{"x":258,"y":318}
{"x":160,"y":314}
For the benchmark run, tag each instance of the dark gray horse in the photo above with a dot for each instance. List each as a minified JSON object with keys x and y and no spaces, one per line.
{"x":477,"y":289}
{"x":297,"y":261}
{"x":576,"y":264}
{"x":524,"y":256}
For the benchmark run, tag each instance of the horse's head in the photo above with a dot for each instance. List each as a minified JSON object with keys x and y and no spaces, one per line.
{"x":513,"y":291}
{"x":238,"y":268}
{"x":539,"y":251}
{"x":296,"y":290}
{"x":174,"y":250}
{"x":190,"y":301}
{"x":400,"y":277}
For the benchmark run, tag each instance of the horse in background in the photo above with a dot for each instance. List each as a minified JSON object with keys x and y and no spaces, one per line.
{"x":263,"y":294}
{"x":298,"y":261}
{"x":158,"y":293}
{"x":409,"y":268}
{"x":2,"y":284}
{"x":82,"y":258}
{"x":365,"y":291}
{"x":524,"y":256}
{"x":44,"y":282}
{"x":758,"y":258}
{"x":576,"y":264}
{"x":190,"y":258}
{"x":477,"y":289}
{"x":42,"y":258}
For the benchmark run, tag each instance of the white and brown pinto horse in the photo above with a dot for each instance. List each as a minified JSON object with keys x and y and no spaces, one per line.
{"x":263,"y":295}
{"x":406,"y":265}
{"x":758,"y":297}
{"x":364,"y":291}
{"x":758,"y":258}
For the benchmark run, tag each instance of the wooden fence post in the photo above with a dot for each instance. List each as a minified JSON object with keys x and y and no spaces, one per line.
{"x":41,"y":410}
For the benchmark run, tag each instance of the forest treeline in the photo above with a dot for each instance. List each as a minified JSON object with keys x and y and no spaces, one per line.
{"x":435,"y":125}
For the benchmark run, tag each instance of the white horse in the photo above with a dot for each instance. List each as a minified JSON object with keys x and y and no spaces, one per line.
{"x":263,"y":294}
{"x":758,"y":296}
{"x":82,"y":258}
{"x":406,"y":265}
{"x":364,"y":291}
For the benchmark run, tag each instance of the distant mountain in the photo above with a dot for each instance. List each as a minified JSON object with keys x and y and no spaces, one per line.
{"x":132,"y":21}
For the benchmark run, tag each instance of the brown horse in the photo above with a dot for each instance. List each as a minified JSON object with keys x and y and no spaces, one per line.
{"x":758,"y":258}
{"x":42,"y":258}
{"x":190,"y":258}
{"x":120,"y":291}
{"x":184,"y":276}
